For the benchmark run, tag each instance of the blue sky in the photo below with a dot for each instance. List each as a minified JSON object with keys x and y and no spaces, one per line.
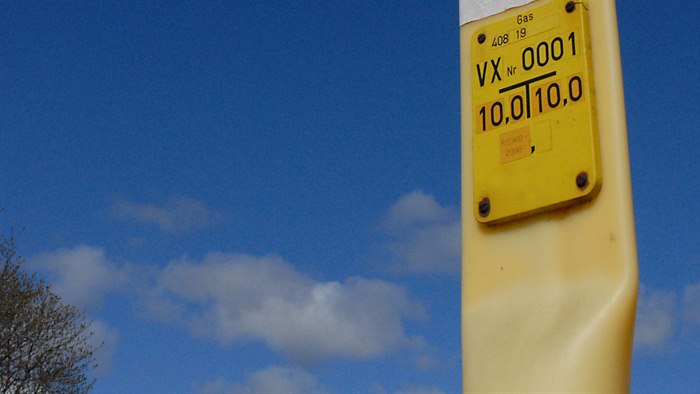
{"x":261,"y":196}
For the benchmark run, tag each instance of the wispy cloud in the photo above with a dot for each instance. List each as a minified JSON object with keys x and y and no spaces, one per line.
{"x":273,"y":380}
{"x":416,"y":208}
{"x":656,"y":318}
{"x":175,"y":216}
{"x":234,"y":297}
{"x":423,"y":236}
{"x":105,"y":339}
{"x":81,"y":275}
{"x":666,"y":318}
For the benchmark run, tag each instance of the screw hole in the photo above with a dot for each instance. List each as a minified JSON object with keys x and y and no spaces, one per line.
{"x":570,"y":6}
{"x":484,"y":207}
{"x":582,"y":180}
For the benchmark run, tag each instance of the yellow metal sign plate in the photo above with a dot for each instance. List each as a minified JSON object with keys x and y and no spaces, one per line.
{"x":534,"y":130}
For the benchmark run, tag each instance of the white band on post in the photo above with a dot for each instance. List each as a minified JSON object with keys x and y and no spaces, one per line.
{"x":471,"y":10}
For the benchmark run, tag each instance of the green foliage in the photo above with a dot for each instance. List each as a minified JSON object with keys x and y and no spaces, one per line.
{"x":44,"y":344}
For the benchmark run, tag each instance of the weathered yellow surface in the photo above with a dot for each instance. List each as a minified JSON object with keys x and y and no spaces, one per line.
{"x":548,"y":300}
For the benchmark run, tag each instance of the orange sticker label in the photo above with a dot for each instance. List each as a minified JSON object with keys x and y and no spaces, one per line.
{"x":515,"y":145}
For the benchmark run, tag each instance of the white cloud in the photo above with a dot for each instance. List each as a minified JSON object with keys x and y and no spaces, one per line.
{"x":105,"y":339}
{"x":656,"y":318}
{"x":665,"y":318}
{"x":175,"y":216}
{"x":424,"y":236}
{"x":81,"y":275}
{"x":234,"y":297}
{"x":273,"y":380}
{"x":415,"y":208}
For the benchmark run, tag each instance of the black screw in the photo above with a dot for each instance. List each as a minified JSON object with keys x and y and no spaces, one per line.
{"x":582,"y":180}
{"x":481,"y":38}
{"x":570,"y":6}
{"x":484,"y":207}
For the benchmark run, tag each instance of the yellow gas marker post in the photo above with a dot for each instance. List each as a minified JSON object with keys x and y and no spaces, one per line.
{"x":549,"y":256}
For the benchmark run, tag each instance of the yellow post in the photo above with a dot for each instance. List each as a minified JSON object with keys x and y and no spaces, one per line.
{"x":549,"y":257}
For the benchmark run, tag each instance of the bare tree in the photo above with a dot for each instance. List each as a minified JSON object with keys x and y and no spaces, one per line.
{"x":45,"y":345}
